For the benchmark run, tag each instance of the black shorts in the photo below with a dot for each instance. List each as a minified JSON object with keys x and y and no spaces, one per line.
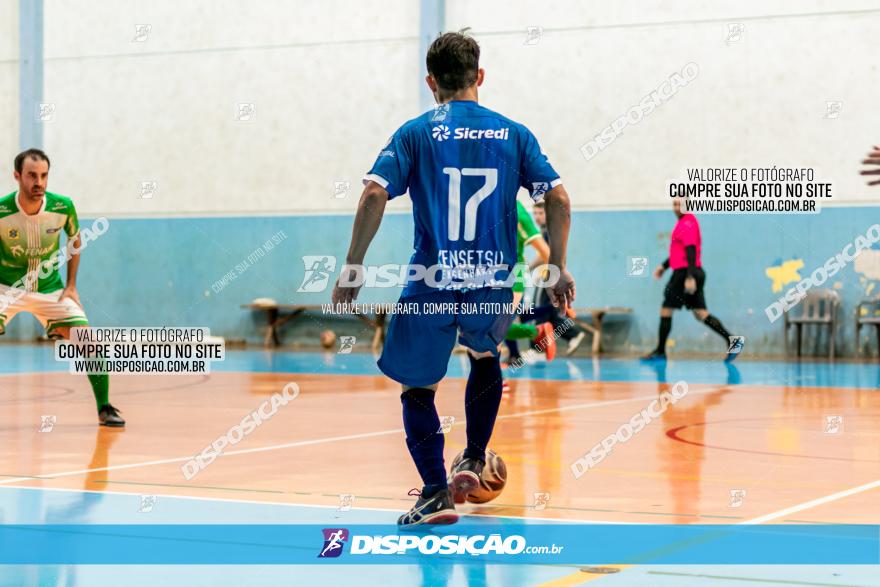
{"x":674,"y":295}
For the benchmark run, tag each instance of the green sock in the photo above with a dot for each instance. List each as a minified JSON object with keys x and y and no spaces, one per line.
{"x":517,"y":331}
{"x":100,"y":387}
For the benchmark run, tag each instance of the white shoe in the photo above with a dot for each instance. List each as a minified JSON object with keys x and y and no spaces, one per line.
{"x":574,"y":343}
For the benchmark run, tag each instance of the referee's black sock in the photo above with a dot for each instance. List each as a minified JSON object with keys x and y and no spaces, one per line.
{"x":424,"y":438}
{"x":665,"y":328}
{"x":716,"y":325}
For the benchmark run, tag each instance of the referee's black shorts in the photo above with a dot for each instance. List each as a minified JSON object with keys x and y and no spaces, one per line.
{"x":674,"y":295}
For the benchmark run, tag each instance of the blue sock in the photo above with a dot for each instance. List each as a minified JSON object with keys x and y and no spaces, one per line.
{"x":423,"y":438}
{"x":482,"y":397}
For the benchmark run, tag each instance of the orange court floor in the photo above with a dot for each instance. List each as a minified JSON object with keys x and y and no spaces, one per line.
{"x":759,"y":442}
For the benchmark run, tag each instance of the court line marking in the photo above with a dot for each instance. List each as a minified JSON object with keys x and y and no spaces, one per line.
{"x":674,"y":434}
{"x":759,"y":520}
{"x":572,"y":579}
{"x":751,"y":579}
{"x":395,"y":511}
{"x":336,"y":438}
{"x":578,"y":361}
{"x":581,"y":577}
{"x":814,"y":502}
{"x":224,"y":454}
{"x":612,"y":402}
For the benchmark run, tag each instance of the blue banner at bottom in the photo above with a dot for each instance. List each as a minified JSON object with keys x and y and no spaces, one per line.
{"x":510,"y":543}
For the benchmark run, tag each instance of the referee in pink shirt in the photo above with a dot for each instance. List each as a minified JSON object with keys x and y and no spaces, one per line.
{"x":685,"y":287}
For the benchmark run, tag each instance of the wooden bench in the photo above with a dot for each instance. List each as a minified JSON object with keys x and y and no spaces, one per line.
{"x":597,"y":315}
{"x":279,"y":314}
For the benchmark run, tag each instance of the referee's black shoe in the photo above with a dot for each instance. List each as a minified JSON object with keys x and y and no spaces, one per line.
{"x":655,"y":355}
{"x":735,"y":348}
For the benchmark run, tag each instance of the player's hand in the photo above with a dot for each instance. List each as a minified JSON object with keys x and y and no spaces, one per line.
{"x":658,"y":272}
{"x":690,"y":285}
{"x":70,"y":292}
{"x":561,"y":293}
{"x":873,"y":159}
{"x":346,"y":294}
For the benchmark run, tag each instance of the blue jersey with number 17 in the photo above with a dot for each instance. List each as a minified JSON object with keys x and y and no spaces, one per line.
{"x":463,"y":165}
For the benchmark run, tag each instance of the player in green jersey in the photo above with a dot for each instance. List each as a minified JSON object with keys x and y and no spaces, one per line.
{"x":528,"y":233}
{"x":31,"y":223}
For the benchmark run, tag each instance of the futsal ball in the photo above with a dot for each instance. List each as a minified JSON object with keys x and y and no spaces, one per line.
{"x":264,"y":303}
{"x":492,"y":480}
{"x":328,"y":339}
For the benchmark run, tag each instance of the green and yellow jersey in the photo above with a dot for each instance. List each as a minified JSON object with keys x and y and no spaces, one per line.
{"x":29,"y":244}
{"x":526,"y":232}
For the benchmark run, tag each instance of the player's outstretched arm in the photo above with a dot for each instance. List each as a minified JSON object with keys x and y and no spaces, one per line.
{"x":558,"y":208}
{"x":370,"y":210}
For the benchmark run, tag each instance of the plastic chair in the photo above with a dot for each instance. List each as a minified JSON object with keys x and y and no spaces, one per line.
{"x":819,"y":307}
{"x":867,"y":318}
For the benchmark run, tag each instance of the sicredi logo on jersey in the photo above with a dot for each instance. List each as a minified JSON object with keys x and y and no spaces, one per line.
{"x":441,"y":133}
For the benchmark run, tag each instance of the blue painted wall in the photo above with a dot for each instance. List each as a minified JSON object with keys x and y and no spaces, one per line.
{"x":165,"y":271}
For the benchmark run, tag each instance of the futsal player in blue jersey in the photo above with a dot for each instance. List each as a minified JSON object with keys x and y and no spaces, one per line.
{"x":462,"y":165}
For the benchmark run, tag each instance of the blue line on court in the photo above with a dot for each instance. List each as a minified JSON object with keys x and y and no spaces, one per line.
{"x":23,"y":359}
{"x":72,"y":528}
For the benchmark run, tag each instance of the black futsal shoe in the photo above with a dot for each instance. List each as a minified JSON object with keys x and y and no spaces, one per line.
{"x":465,"y":478}
{"x":437,"y":509}
{"x":109,"y":416}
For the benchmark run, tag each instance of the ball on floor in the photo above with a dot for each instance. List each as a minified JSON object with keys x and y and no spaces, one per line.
{"x":328,"y":339}
{"x":492,"y":480}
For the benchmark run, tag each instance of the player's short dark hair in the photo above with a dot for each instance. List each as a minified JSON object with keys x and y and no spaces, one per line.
{"x":538,"y":204}
{"x":453,"y":59}
{"x":30,"y":154}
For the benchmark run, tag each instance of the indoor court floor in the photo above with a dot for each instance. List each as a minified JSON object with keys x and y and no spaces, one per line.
{"x":743,"y":446}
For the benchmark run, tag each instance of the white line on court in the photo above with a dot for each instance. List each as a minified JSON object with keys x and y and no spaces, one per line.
{"x":814,"y":502}
{"x":395,"y":511}
{"x":224,"y":454}
{"x":759,"y":520}
{"x":611,"y":402}
{"x":337,"y":438}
